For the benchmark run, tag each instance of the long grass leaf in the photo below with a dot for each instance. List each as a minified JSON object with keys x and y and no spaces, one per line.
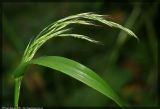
{"x":79,"y":72}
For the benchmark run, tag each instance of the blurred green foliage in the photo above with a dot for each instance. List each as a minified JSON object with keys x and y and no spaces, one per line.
{"x":129,"y":66}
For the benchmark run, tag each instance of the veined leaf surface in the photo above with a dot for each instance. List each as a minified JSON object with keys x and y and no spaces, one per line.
{"x":79,"y":72}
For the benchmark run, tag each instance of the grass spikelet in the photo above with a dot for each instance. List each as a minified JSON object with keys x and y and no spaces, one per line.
{"x":59,"y":27}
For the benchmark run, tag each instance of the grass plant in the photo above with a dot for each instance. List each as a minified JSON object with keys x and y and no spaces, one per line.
{"x":62,"y":64}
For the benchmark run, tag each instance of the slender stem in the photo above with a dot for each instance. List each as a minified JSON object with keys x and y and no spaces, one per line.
{"x":122,"y":37}
{"x":152,"y":38}
{"x":11,"y":33}
{"x":17,"y":91}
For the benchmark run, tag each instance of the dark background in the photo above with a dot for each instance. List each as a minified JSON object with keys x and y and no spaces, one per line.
{"x":130,"y":67}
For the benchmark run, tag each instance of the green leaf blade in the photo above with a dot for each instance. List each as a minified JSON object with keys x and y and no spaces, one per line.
{"x":79,"y":72}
